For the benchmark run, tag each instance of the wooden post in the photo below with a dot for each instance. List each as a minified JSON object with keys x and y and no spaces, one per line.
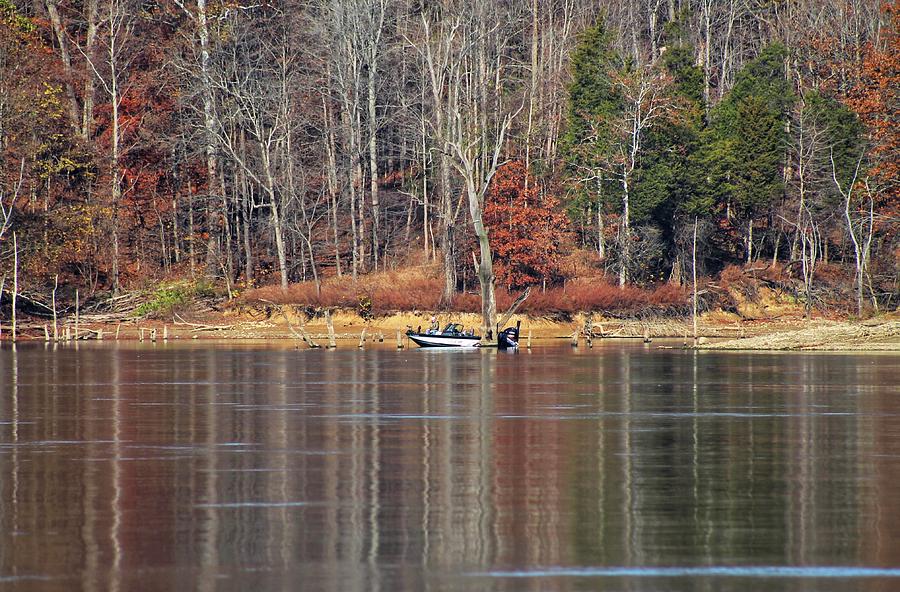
{"x":77,"y":306}
{"x":165,"y":332}
{"x":53,"y":300}
{"x":399,"y":339}
{"x":46,"y":333}
{"x":575,"y":338}
{"x":119,"y":326}
{"x":15,"y":283}
{"x":100,"y":334}
{"x":362,"y":338}
{"x":153,"y":335}
{"x":529,"y":338}
{"x":647,"y":338}
{"x":329,"y":322}
{"x":589,"y":330}
{"x":68,"y":333}
{"x":141,"y":333}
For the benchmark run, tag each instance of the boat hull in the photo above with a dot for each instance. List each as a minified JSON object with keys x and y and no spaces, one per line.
{"x":424,"y":340}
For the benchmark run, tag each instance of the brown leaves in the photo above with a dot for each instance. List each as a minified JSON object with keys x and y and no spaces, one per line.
{"x":525,"y":230}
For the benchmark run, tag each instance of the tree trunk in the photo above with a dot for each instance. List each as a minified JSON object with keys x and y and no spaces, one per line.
{"x":331,"y":169}
{"x":625,"y":238}
{"x":209,"y":125}
{"x":87,"y":111}
{"x":279,"y":242}
{"x":373,"y":167}
{"x":248,"y":254}
{"x":694,"y":274}
{"x":533,"y":90}
{"x":115,"y":180}
{"x":66,"y":58}
{"x":15,"y":294}
{"x":750,"y":241}
{"x":277,"y":229}
{"x":447,"y":238}
{"x":485,"y":281}
{"x":707,"y":50}
{"x":350,"y":137}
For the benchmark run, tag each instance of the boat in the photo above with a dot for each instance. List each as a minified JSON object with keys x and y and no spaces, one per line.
{"x":509,"y":337}
{"x":453,"y":335}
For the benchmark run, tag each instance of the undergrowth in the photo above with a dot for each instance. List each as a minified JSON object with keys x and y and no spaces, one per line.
{"x":417,"y":290}
{"x":168,"y":298}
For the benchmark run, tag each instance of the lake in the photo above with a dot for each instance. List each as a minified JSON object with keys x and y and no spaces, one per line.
{"x":258,"y":466}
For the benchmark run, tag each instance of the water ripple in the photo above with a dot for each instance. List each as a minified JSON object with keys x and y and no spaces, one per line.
{"x":754,"y":571}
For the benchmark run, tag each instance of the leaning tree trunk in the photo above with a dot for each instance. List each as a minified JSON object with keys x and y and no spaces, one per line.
{"x":486,"y":281}
{"x":276,"y":220}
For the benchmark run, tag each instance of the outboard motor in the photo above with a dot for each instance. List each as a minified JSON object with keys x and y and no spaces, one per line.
{"x":509,"y":337}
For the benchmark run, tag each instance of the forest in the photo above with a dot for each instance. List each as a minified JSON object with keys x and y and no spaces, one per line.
{"x":301,"y":146}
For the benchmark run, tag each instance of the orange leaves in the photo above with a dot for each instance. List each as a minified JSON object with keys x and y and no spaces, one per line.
{"x":874,"y":98}
{"x":525,"y":230}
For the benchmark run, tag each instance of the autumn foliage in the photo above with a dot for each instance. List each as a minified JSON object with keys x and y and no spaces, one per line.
{"x":524,"y":226}
{"x":874,"y":98}
{"x":238,"y":147}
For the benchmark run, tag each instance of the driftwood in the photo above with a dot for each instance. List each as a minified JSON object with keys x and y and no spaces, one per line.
{"x":302,"y":333}
{"x":86,"y":334}
{"x":199,"y":327}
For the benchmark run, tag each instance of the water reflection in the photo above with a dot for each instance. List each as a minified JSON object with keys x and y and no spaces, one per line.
{"x":204,"y":467}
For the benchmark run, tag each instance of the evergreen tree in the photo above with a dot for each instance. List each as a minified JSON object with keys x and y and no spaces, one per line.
{"x":667,"y":192}
{"x":746,"y":151}
{"x":588,"y":140}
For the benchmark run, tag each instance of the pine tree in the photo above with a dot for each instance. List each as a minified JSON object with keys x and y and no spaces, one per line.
{"x":745,"y":154}
{"x":588,"y":140}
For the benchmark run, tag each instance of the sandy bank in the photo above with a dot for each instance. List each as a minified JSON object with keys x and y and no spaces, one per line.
{"x":718,"y":330}
{"x":822,"y":336}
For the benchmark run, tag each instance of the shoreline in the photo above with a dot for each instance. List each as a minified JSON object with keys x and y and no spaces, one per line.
{"x":716,"y":330}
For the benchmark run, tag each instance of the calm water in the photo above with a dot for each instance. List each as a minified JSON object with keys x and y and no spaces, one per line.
{"x":247,"y":467}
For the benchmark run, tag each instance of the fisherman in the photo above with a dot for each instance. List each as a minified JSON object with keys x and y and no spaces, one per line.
{"x":434,"y":325}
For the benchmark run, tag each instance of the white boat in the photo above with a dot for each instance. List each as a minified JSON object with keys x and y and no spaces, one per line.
{"x":453,"y":335}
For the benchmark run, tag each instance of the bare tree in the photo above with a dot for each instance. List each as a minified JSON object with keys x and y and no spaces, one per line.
{"x":8,"y":203}
{"x":860,"y":235}
{"x":111,"y":68}
{"x":346,"y":77}
{"x":251,"y":83}
{"x":200,"y":72}
{"x":440,"y":36}
{"x":479,"y":122}
{"x":646,"y":100}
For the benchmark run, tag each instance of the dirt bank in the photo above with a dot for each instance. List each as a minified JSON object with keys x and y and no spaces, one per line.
{"x":822,"y":335}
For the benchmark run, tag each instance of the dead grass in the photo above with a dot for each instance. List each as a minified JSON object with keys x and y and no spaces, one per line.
{"x":419,"y":289}
{"x":416,"y":288}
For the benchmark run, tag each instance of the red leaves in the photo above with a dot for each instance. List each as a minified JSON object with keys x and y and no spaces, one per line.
{"x":525,"y":230}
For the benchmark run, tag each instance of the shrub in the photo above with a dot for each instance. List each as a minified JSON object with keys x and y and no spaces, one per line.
{"x":168,"y":298}
{"x":408,"y":290}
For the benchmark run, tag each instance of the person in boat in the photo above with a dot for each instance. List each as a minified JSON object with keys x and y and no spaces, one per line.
{"x":434,"y":328}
